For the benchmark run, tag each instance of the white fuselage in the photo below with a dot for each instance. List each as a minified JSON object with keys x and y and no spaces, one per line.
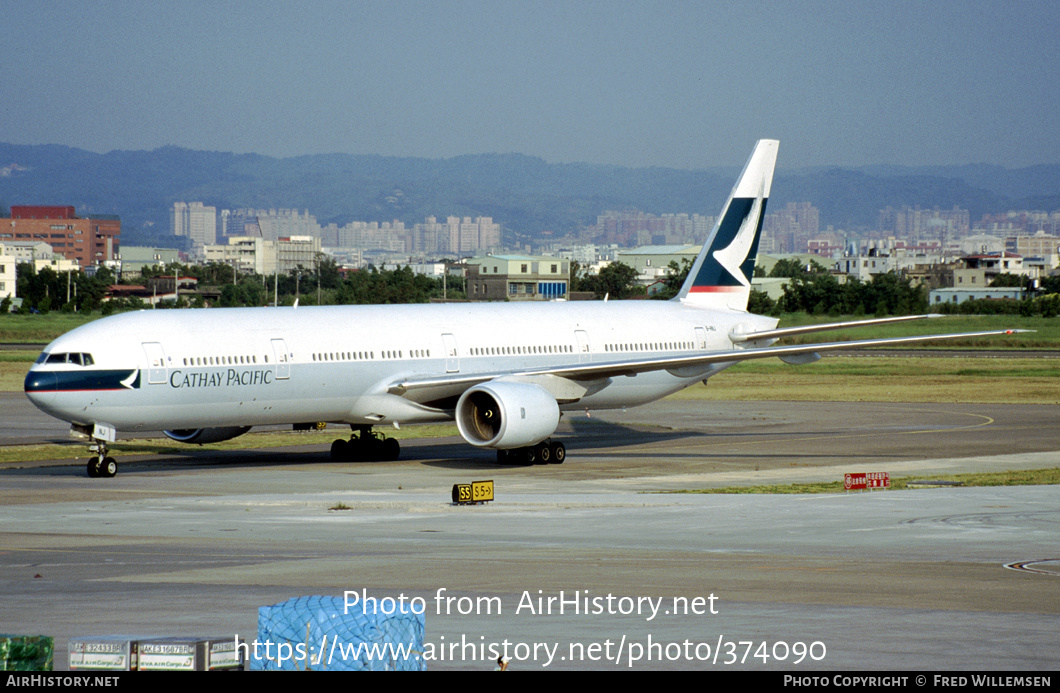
{"x":184,"y":369}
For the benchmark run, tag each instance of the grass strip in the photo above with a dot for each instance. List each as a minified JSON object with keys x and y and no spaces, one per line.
{"x":1023,"y":477}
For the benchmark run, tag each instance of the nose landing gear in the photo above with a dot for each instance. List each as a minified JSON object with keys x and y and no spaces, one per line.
{"x":101,"y":465}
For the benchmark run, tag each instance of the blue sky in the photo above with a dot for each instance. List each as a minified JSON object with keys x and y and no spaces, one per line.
{"x":632,"y":83}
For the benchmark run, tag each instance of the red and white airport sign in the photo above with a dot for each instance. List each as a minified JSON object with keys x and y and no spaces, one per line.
{"x":866,"y":480}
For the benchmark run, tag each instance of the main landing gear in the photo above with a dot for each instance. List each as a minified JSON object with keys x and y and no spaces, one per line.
{"x":101,"y":465}
{"x":546,"y":452}
{"x":365,"y":446}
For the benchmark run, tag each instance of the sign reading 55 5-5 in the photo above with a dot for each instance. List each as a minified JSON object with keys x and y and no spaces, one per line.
{"x":475,"y":492}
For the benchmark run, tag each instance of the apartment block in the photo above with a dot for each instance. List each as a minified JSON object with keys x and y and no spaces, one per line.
{"x":517,"y":278}
{"x":85,"y":241}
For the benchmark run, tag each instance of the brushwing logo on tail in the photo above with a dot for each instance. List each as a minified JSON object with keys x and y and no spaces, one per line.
{"x":730,"y":268}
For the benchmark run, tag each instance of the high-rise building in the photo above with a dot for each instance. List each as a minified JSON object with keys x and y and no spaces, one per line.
{"x":635,"y":228}
{"x":457,"y":235}
{"x":916,"y":223}
{"x":271,"y":224}
{"x":196,"y":221}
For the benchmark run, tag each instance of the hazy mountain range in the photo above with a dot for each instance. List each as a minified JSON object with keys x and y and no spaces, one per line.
{"x":526,"y":195}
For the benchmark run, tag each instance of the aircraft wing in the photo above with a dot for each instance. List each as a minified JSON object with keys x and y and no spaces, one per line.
{"x":582,"y":375}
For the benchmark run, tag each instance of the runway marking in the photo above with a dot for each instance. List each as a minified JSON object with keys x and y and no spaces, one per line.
{"x":1025,"y":566}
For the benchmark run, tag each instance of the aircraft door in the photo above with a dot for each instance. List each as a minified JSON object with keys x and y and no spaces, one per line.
{"x":583,"y":345}
{"x":452,"y":356}
{"x":283,"y":359}
{"x":156,"y":363}
{"x":701,"y":338}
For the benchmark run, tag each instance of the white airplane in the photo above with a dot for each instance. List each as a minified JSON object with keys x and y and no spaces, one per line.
{"x":504,"y":371}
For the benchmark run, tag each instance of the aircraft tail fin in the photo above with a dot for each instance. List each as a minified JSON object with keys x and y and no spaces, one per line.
{"x":721,"y":275}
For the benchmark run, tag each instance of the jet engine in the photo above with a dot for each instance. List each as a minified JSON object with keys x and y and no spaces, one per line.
{"x":200,"y":436}
{"x":506,"y":415}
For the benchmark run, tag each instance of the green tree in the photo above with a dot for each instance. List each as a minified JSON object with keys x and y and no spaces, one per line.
{"x":617,"y":281}
{"x":792,"y":267}
{"x":1008,"y":279}
{"x":1050,"y":285}
{"x":760,"y":303}
{"x":675,"y":278}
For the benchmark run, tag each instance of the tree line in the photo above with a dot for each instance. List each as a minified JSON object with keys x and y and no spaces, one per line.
{"x":810,"y":289}
{"x":47,"y":290}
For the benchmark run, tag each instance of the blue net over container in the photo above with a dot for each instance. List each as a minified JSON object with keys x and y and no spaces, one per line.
{"x":320,"y":634}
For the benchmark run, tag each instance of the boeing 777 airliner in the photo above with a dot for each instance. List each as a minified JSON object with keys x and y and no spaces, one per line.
{"x":504,"y":371}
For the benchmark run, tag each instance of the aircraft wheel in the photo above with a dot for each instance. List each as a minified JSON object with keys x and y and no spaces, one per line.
{"x":529,"y":454}
{"x":502,"y":456}
{"x":391,"y":449}
{"x":355,"y":450}
{"x":371,"y":449}
{"x":559,"y":453}
{"x":543,"y":453}
{"x":339,"y":450}
{"x":93,"y":467}
{"x":109,"y":467}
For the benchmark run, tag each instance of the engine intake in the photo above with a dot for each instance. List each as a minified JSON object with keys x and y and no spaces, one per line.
{"x":506,"y":415}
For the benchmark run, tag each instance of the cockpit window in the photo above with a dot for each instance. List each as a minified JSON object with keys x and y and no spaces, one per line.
{"x":74,"y":358}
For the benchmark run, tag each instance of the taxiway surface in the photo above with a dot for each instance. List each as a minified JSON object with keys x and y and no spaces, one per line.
{"x":194,"y":544}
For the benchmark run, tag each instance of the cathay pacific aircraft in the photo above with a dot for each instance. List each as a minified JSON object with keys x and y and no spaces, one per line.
{"x":504,"y":371}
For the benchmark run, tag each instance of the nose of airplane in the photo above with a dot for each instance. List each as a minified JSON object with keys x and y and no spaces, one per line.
{"x":41,"y":387}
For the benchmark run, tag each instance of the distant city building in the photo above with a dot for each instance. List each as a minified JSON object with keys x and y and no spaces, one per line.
{"x":982,"y":244}
{"x":825,"y":247}
{"x":247,"y":254}
{"x":271,"y":224}
{"x":255,"y":255}
{"x":135,"y":258}
{"x":196,"y":221}
{"x":84,"y":241}
{"x":1040,"y":245}
{"x":913,"y":222}
{"x":297,"y":252}
{"x":586,"y":255}
{"x":517,"y":278}
{"x":652,"y":262}
{"x":789,"y":230}
{"x":8,"y":279}
{"x":635,"y":228}
{"x":367,"y":235}
{"x":1020,"y":223}
{"x":455,"y":236}
{"x":980,"y":270}
{"x":960,"y":295}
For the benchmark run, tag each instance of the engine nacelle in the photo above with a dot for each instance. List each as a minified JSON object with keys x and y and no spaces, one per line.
{"x":506,"y":415}
{"x":199,"y":436}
